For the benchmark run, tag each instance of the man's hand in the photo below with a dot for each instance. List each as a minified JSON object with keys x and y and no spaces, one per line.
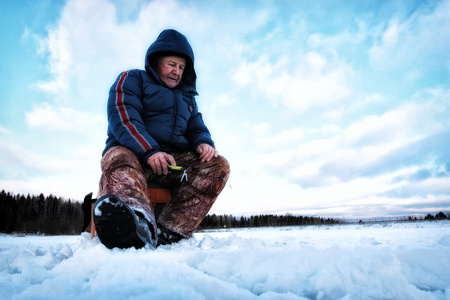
{"x":207,"y":152}
{"x":160,"y":161}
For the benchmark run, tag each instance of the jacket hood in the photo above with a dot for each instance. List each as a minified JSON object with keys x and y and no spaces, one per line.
{"x":171,"y":42}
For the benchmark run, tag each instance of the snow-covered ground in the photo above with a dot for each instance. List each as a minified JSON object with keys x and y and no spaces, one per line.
{"x":383,"y":261}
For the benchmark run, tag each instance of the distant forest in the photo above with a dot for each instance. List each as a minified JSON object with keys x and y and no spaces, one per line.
{"x":50,"y":215}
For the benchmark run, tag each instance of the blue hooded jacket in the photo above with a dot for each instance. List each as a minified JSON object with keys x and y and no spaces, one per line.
{"x":146,"y":116}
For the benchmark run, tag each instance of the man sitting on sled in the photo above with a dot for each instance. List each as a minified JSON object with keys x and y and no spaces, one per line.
{"x":156,"y":135}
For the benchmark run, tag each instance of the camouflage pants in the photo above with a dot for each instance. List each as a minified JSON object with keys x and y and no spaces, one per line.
{"x":194,"y":189}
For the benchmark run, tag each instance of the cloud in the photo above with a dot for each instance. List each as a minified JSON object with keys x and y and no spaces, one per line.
{"x":4,"y":131}
{"x":298,"y":82}
{"x":409,"y":40}
{"x":223,"y":100}
{"x":372,"y":146}
{"x":64,"y":168}
{"x":67,"y":119}
{"x":87,"y":49}
{"x":18,"y":161}
{"x":342,"y":42}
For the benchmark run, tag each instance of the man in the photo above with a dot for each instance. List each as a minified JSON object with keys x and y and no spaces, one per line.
{"x":156,"y":135}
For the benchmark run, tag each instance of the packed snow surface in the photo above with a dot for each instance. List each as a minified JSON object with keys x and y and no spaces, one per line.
{"x":382,"y":261}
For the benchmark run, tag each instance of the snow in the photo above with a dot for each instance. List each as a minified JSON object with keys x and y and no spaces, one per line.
{"x":381,"y":261}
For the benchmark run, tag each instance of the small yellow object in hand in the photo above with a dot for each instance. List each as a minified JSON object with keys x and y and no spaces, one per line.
{"x":176,"y":167}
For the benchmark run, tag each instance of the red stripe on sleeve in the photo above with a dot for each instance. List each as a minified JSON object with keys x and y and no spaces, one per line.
{"x":124,"y":118}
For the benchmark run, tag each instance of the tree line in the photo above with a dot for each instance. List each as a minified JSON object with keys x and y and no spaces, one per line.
{"x":228,"y":221}
{"x":39,"y":214}
{"x":52,"y":215}
{"x":266,"y":220}
{"x":438,"y":216}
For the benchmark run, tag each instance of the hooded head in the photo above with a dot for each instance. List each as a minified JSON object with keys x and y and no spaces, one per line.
{"x":172,"y":43}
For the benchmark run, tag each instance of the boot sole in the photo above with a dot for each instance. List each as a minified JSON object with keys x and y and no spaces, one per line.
{"x":116,"y":224}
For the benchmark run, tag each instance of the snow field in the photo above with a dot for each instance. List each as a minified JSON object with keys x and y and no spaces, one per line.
{"x":390,"y":261}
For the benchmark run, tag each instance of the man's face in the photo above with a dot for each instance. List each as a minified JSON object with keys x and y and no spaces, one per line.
{"x":170,"y":69}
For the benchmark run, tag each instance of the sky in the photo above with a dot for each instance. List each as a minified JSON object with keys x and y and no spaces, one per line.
{"x":322,"y":108}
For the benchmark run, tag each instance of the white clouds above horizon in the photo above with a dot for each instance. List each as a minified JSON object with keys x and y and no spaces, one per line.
{"x":58,"y":118}
{"x":297,"y":83}
{"x":301,"y":113}
{"x":423,"y":36}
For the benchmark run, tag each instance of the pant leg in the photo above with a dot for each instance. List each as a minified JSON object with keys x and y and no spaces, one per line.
{"x":122,"y":176}
{"x":193,"y":197}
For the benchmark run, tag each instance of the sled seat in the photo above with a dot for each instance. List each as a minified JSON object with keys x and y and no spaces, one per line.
{"x":159,"y":196}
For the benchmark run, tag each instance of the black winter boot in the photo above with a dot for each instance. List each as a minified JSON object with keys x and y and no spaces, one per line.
{"x":118,"y":225}
{"x":166,"y":236}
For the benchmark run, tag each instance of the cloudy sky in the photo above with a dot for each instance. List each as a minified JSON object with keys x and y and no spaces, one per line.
{"x":324,"y":108}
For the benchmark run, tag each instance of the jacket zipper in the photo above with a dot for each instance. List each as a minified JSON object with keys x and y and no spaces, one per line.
{"x":175,"y":114}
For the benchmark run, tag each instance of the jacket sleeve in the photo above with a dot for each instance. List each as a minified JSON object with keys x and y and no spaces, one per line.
{"x":197,"y":133}
{"x":125,"y":110}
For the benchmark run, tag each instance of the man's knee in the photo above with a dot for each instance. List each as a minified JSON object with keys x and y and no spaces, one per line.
{"x":223,"y":163}
{"x":118,"y":157}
